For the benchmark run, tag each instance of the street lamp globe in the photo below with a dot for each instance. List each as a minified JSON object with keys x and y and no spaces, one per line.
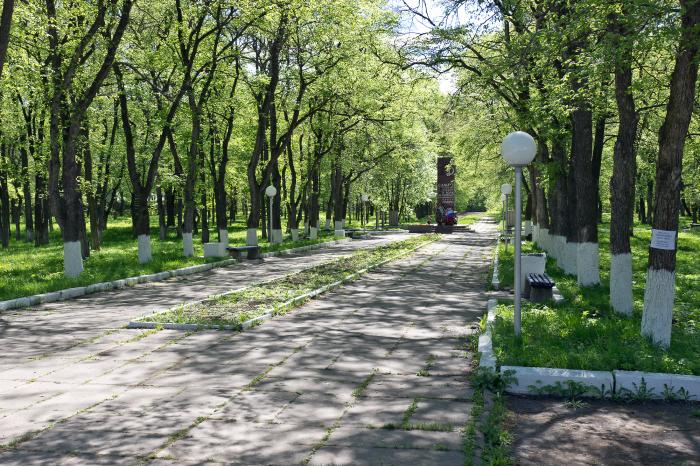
{"x":270,"y":191}
{"x":518,"y":149}
{"x":506,"y":189}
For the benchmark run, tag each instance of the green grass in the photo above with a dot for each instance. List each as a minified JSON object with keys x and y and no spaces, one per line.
{"x":470,"y":219}
{"x":27,"y":270}
{"x":234,"y":309}
{"x":584,"y":333}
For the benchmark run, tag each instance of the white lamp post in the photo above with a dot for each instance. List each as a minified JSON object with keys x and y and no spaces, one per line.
{"x":518,"y":150}
{"x":270,"y":192}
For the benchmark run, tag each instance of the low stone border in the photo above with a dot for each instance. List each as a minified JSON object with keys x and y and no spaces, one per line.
{"x":495,"y":282}
{"x":485,"y":344}
{"x":269,"y":312}
{"x":71,"y":293}
{"x":658,"y":382}
{"x":607,"y":383}
{"x":529,"y":378}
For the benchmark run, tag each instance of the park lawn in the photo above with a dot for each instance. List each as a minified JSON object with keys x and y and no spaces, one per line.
{"x":252,"y":302}
{"x":27,"y":270}
{"x":470,"y":219}
{"x":584,"y":333}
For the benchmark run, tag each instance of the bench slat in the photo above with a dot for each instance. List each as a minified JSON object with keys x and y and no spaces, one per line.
{"x":538,"y":280}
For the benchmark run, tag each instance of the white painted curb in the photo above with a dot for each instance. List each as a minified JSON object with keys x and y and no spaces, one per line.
{"x":71,"y":293}
{"x":488,"y":359}
{"x":626,"y":380}
{"x":529,"y":377}
{"x":495,"y":282}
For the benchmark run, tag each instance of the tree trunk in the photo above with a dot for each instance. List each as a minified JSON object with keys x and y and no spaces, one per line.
{"x":91,"y":199}
{"x":587,"y":260}
{"x":27,"y":193}
{"x":660,"y":286}
{"x":162,"y":224}
{"x":597,"y":160}
{"x":622,"y":181}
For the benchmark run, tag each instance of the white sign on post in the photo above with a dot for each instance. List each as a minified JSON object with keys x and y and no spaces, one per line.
{"x":663,"y":239}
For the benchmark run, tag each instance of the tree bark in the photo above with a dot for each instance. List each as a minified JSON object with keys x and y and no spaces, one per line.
{"x":660,"y":287}
{"x":623,"y":178}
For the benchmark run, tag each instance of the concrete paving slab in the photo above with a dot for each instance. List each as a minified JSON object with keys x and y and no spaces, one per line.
{"x":359,"y":455}
{"x":266,"y":395}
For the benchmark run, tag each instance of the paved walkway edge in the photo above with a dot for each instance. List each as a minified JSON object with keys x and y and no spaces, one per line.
{"x":271,"y":312}
{"x":70,"y":293}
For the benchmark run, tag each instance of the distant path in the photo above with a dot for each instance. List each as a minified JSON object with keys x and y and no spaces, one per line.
{"x":375,"y":372}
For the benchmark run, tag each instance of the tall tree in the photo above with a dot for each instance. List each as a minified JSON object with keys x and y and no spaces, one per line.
{"x":660,"y":286}
{"x":69,"y":103}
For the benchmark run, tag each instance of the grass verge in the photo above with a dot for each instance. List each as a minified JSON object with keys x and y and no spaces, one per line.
{"x":252,"y":302}
{"x":28,"y":270}
{"x":584,"y":332}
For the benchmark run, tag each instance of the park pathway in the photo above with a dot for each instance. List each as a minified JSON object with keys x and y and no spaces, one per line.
{"x":372,"y":373}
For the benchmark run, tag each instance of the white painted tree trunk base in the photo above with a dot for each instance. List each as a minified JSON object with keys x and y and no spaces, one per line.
{"x":144,"y":249}
{"x":72,"y":259}
{"x":328,"y":224}
{"x":658,"y":306}
{"x":528,"y":228}
{"x":587,"y":264}
{"x":339,"y":231}
{"x":543,"y":239}
{"x":557,"y":243}
{"x":223,"y":238}
{"x":187,"y":244}
{"x":277,"y":236}
{"x":306,"y":228}
{"x":295,"y":234}
{"x":569,"y":258}
{"x":621,"y":284}
{"x":535,"y":233}
{"x":251,"y":237}
{"x":313,"y":233}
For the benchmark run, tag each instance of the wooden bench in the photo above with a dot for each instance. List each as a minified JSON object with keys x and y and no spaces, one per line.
{"x":538,"y":287}
{"x":253,"y":252}
{"x":356,"y":234}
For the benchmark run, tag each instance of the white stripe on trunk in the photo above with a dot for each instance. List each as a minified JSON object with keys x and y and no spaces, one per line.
{"x":223,"y":235}
{"x":144,"y":251}
{"x":187,"y":244}
{"x":251,"y":237}
{"x":658,"y":306}
{"x":569,"y":258}
{"x":313,"y":233}
{"x":295,"y":234}
{"x":587,"y":264}
{"x":339,"y":232}
{"x":277,"y":236}
{"x":621,"y":283}
{"x":543,"y":239}
{"x":72,"y":259}
{"x":528,"y":228}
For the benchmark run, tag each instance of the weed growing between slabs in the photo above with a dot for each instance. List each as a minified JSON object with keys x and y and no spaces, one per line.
{"x":486,"y":433}
{"x":585,"y":333}
{"x":234,"y":309}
